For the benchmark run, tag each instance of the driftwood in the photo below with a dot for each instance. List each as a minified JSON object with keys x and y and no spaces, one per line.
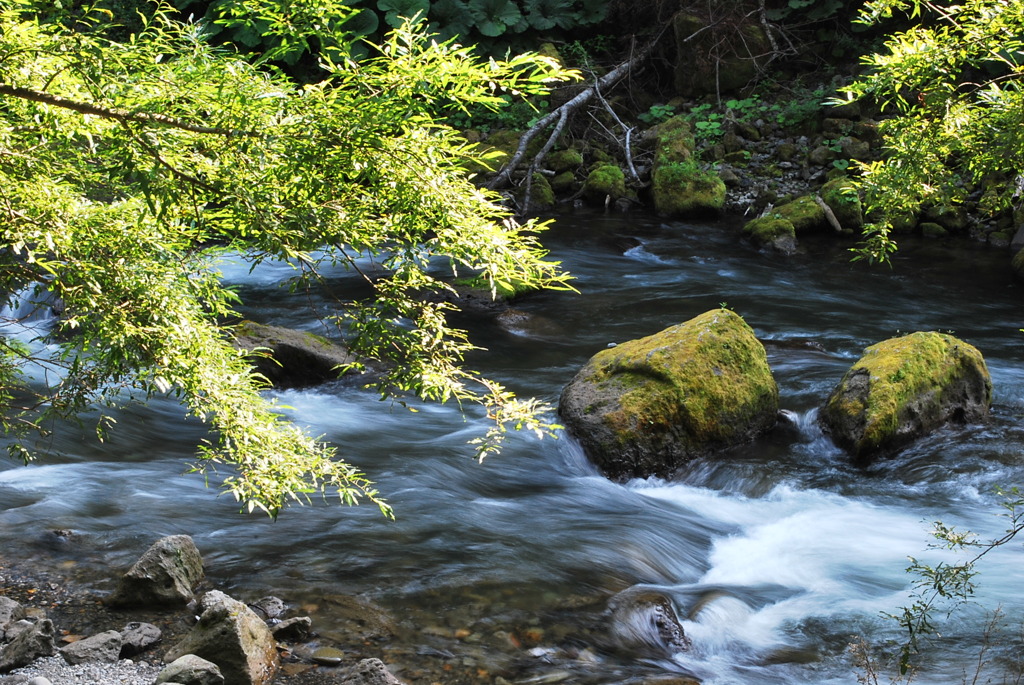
{"x":559,"y":117}
{"x":830,"y":216}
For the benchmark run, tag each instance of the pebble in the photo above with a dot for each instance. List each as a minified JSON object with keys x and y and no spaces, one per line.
{"x":328,"y":656}
{"x":54,"y":670}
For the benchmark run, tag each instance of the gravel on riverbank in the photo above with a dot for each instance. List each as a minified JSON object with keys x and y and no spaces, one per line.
{"x":59,"y":672}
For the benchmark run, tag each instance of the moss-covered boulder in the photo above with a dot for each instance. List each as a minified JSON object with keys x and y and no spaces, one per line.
{"x":952,"y":218}
{"x":564,"y":160}
{"x":542,"y":195}
{"x":673,"y":140}
{"x":1018,"y":264}
{"x":772,"y":234}
{"x":903,"y":388}
{"x":647,"y":406}
{"x":804,"y":213}
{"x":289,"y":358}
{"x":841,"y":196}
{"x":679,"y":187}
{"x":606,"y":180}
{"x":563,"y":182}
{"x":686,"y":191}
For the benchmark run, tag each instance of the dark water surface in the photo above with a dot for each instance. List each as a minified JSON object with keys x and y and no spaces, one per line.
{"x":773,"y":555}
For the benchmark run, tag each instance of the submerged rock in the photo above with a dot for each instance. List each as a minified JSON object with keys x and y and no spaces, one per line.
{"x":292,"y":359}
{"x":903,"y":388}
{"x":369,"y":672}
{"x":164,"y":575}
{"x":647,"y":406}
{"x":645,"y":621}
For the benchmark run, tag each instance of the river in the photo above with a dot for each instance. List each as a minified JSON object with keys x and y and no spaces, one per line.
{"x":773,"y":555}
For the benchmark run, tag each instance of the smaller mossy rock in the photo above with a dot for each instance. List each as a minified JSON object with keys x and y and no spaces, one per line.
{"x":903,"y":222}
{"x":951,"y":218}
{"x":647,"y":406}
{"x":804,"y":213}
{"x":1018,"y":264}
{"x":771,"y":233}
{"x":563,"y":182}
{"x":292,"y":358}
{"x":841,"y":195}
{"x":903,"y":388}
{"x":541,"y":193}
{"x":1000,"y":238}
{"x":606,"y":180}
{"x":930,"y":229}
{"x":564,"y":160}
{"x":686,"y":191}
{"x":673,"y":141}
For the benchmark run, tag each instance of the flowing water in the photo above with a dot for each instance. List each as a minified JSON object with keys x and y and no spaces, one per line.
{"x":773,"y":555}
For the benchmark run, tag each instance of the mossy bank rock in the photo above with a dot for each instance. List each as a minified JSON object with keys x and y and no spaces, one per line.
{"x":647,"y":406}
{"x":902,"y":388}
{"x":292,"y":358}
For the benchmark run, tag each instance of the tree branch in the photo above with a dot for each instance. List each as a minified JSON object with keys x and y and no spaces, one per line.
{"x":114,"y":113}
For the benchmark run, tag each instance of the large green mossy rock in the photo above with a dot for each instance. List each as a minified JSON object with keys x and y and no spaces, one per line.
{"x":647,"y":406}
{"x":903,"y":388}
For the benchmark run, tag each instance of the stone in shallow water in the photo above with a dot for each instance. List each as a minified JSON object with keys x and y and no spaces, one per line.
{"x":328,"y":656}
{"x":164,"y":575}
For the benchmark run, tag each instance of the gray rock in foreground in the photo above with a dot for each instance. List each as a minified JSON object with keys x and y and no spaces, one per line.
{"x":32,"y":640}
{"x":191,"y":670}
{"x":104,"y":646}
{"x":164,"y":575}
{"x":231,"y":635}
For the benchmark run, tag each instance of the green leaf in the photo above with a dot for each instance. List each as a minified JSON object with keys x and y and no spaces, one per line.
{"x":452,"y":18}
{"x":362,"y":23}
{"x":493,"y":17}
{"x":399,"y":11}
